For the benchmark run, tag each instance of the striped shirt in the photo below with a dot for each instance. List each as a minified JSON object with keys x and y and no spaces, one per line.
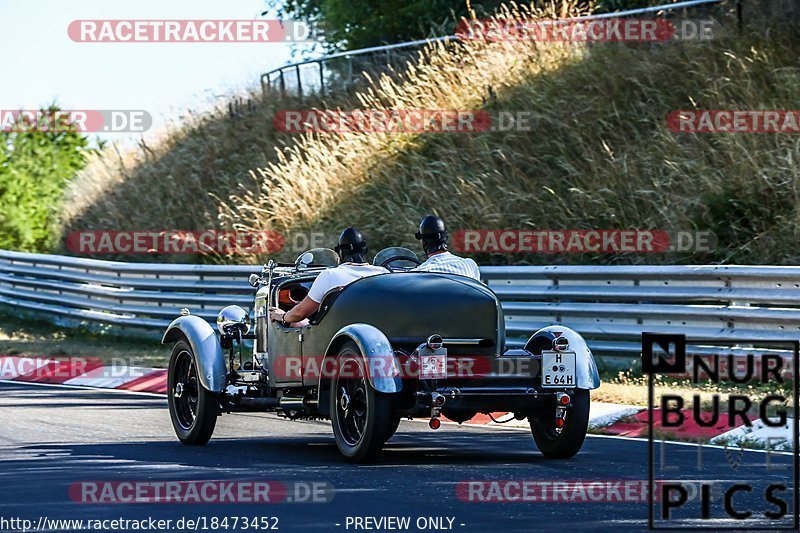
{"x":448,"y":263}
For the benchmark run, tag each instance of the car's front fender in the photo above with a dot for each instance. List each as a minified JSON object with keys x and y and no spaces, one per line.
{"x":587,"y":376}
{"x":209,"y":359}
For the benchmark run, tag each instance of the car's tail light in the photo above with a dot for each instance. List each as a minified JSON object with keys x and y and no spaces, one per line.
{"x":560,"y":344}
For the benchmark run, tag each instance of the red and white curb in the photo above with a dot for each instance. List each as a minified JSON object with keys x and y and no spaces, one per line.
{"x":91,"y":373}
{"x":605,"y":418}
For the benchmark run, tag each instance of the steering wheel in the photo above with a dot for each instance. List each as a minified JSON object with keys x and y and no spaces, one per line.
{"x":392,"y":259}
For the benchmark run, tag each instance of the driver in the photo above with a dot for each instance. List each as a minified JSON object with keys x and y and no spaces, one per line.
{"x":433,"y":234}
{"x":352,"y":249}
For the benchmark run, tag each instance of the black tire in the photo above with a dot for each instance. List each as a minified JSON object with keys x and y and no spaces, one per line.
{"x":193,"y":409}
{"x":393,"y":425}
{"x":360,"y":415}
{"x":568,"y":441}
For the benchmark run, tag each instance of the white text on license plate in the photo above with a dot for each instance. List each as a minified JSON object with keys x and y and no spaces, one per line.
{"x":558,"y":369}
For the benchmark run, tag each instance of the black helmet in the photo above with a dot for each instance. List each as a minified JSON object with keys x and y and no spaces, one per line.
{"x":433,"y":234}
{"x":352,"y":246}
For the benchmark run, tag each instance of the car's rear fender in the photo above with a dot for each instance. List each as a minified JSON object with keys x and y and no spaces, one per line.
{"x":383,"y":369}
{"x":208,"y":356}
{"x":587,"y":376}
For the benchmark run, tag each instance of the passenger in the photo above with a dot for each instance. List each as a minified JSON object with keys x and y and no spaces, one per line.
{"x":433,"y":234}
{"x":352,"y":250}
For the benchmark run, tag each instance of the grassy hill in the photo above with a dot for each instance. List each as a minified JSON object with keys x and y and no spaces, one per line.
{"x":600,"y":154}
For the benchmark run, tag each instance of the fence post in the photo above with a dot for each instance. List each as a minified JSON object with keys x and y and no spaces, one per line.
{"x":349,"y":71}
{"x":321,"y":79}
{"x":299,"y":82}
{"x":739,"y":15}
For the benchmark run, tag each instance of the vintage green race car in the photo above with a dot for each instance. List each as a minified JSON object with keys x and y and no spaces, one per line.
{"x":385,"y":347}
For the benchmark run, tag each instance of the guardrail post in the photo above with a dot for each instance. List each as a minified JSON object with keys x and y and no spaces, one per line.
{"x":321,"y":79}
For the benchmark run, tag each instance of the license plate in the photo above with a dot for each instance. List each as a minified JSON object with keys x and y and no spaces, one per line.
{"x":433,"y":366}
{"x":558,"y":370}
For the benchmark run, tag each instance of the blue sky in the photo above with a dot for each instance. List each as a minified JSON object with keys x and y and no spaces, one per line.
{"x":39,"y":64}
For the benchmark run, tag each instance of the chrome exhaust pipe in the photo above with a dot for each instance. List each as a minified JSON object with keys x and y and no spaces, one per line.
{"x":438,"y":400}
{"x":292,"y":403}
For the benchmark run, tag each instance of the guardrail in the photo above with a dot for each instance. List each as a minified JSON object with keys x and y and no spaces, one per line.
{"x":379,"y":58}
{"x":611,"y":305}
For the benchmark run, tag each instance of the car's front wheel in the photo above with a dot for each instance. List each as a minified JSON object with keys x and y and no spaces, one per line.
{"x":360,"y":415}
{"x":565,"y":442}
{"x":192,"y":408}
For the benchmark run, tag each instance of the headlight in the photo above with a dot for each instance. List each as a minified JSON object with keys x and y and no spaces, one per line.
{"x":233,"y":319}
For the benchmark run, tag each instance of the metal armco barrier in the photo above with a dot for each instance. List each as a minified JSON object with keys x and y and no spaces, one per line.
{"x":610,"y":305}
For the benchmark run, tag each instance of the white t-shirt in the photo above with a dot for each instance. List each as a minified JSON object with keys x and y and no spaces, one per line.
{"x":340,"y":276}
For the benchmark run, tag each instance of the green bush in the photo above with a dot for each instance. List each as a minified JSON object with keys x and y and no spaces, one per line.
{"x":35,"y":168}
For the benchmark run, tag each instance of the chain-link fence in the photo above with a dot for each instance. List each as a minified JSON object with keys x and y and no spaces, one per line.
{"x":345,"y":72}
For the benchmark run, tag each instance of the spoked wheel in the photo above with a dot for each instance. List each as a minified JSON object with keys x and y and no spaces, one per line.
{"x":360,"y":415}
{"x":192,"y":408}
{"x":567,"y":441}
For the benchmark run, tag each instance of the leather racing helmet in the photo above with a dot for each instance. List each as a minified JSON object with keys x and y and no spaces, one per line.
{"x":352,"y":247}
{"x":433,"y":234}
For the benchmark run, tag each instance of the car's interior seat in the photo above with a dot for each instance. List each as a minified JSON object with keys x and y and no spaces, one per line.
{"x":325,"y":305}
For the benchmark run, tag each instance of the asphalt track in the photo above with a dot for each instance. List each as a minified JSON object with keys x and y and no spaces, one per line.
{"x":52,"y":437}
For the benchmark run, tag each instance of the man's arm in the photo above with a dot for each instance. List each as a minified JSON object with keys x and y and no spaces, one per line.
{"x":306,"y":307}
{"x":300,"y":311}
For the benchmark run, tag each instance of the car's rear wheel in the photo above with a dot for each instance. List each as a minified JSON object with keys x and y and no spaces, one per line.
{"x":563,"y":443}
{"x":360,"y":415}
{"x":393,"y":425}
{"x":192,"y":408}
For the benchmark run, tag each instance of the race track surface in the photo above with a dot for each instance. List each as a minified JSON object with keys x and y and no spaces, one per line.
{"x":53,"y":437}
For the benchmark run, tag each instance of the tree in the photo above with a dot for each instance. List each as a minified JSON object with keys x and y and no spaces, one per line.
{"x":352,"y":24}
{"x":35,"y":167}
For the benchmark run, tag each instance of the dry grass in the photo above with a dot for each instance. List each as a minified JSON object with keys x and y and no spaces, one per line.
{"x":599,"y":155}
{"x":625,"y":388}
{"x":33,"y":338}
{"x":167,"y":183}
